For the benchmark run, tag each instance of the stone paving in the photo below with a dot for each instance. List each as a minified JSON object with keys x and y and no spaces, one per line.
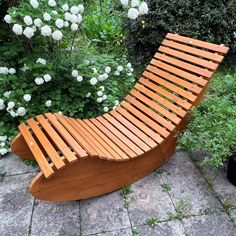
{"x":180,"y":198}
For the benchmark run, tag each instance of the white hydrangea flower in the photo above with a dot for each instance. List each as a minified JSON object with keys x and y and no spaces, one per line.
{"x":74,"y":10}
{"x":59,"y":23}
{"x":67,"y":16}
{"x":41,"y":61}
{"x":7,"y":94}
{"x":114,"y":108}
{"x":79,"y":18}
{"x":13,"y":114}
{"x":48,"y":103}
{"x":28,"y":20}
{"x":3,"y":151}
{"x":65,"y":7}
{"x":143,"y":8}
{"x":1,"y":102}
{"x":105,"y":76}
{"x":54,"y":12}
{"x":116,"y":102}
{"x":47,"y":78}
{"x":2,"y":107}
{"x":3,"y":138}
{"x":129,"y":74}
{"x":7,"y":19}
{"x":134,"y":3}
{"x":27,"y":97}
{"x":74,"y":27}
{"x":117,"y":73}
{"x":66,"y":23}
{"x":24,"y":68}
{"x":17,"y":29}
{"x":28,"y":32}
{"x":99,"y":93}
{"x":86,"y":62}
{"x":105,"y":109}
{"x":124,"y":2}
{"x":73,"y":18}
{"x":57,"y":35}
{"x":129,"y":65}
{"x":21,"y":111}
{"x":34,"y":4}
{"x":131,"y":70}
{"x":52,"y":3}
{"x":4,"y":70}
{"x":99,"y":100}
{"x":2,"y":144}
{"x":39,"y":81}
{"x":93,"y":81}
{"x":75,"y":73}
{"x":79,"y":78}
{"x":108,"y":69}
{"x":102,"y":88}
{"x":88,"y":95}
{"x":38,"y":22}
{"x":133,"y":13}
{"x":104,"y":97}
{"x":81,"y":8}
{"x":12,"y":71}
{"x":46,"y":16}
{"x":10,"y":105}
{"x":46,"y":30}
{"x":120,"y":68}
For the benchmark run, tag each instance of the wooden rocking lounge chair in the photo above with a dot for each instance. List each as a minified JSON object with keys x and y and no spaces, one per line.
{"x":86,"y":158}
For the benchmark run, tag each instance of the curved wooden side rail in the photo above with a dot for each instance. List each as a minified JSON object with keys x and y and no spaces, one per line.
{"x":85,"y":158}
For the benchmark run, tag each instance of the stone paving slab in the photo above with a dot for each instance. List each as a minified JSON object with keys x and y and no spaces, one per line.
{"x":209,"y":225}
{"x":188,"y":186}
{"x":233,"y":215}
{"x":55,"y":219}
{"x":13,"y":165}
{"x":15,"y":205}
{"x":217,"y":179}
{"x":171,"y":228}
{"x":148,"y":200}
{"x":101,"y":214}
{"x":123,"y":232}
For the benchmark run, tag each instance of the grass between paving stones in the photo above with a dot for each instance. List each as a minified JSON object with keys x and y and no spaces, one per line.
{"x":125,"y":191}
{"x":135,"y":232}
{"x":181,"y":210}
{"x":166,"y":187}
{"x":2,"y":173}
{"x":31,"y":163}
{"x":152,"y":221}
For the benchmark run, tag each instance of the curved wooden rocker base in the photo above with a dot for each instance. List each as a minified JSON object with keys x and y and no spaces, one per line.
{"x":92,"y":177}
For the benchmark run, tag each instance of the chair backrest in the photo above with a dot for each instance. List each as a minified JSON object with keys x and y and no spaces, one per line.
{"x":174,"y":81}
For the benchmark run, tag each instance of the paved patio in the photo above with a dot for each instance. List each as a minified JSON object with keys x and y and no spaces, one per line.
{"x":181,"y":198}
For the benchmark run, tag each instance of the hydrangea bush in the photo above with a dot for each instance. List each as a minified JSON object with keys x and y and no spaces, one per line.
{"x":47,"y":64}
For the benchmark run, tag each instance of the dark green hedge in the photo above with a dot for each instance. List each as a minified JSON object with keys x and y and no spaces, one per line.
{"x":210,"y":20}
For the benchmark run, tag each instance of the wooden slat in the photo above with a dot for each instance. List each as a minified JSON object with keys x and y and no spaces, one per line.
{"x":62,"y":146}
{"x":193,"y":51}
{"x":177,"y":80}
{"x":66,"y":135}
{"x":186,"y":66}
{"x":134,"y":129}
{"x":155,"y":136}
{"x":160,"y":99}
{"x":111,"y":154}
{"x":178,"y":100}
{"x":152,"y":124}
{"x":127,"y":132}
{"x":168,"y":85}
{"x":40,"y":158}
{"x":114,"y":139}
{"x":119,"y":135}
{"x":76,"y":132}
{"x":150,"y":103}
{"x":179,"y":72}
{"x":211,"y":46}
{"x":166,"y":124}
{"x":184,"y":56}
{"x":52,"y":153}
{"x":113,"y":145}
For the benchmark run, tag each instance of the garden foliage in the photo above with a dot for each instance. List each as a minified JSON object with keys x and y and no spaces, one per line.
{"x":212,"y":21}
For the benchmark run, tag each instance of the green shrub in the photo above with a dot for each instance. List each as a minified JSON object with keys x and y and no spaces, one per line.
{"x":61,"y":72}
{"x":213,"y":21}
{"x":212,"y":126}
